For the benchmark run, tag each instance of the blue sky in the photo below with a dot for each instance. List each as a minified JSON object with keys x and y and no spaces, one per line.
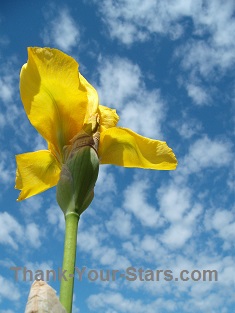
{"x":168,"y":69}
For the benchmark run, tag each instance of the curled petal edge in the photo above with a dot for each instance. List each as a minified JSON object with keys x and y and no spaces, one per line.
{"x":123,"y":147}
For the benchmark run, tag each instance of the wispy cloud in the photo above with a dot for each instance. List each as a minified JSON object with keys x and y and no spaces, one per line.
{"x":31,"y":206}
{"x":207,"y":54}
{"x":187,"y":127}
{"x":96,"y":243}
{"x":11,"y":109}
{"x":10,"y":230}
{"x":136,"y":20}
{"x":222,"y":222}
{"x":113,"y":300}
{"x":205,"y":153}
{"x":61,"y":30}
{"x":33,"y":234}
{"x":55,"y":217}
{"x":198,"y":94}
{"x":121,"y":86}
{"x":7,"y":169}
{"x":14,"y":234}
{"x":136,"y":202}
{"x":6,"y":88}
{"x":119,"y":224}
{"x":106,"y":182}
{"x":9,"y":290}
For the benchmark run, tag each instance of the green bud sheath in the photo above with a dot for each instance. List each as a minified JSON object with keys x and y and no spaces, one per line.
{"x":75,"y":191}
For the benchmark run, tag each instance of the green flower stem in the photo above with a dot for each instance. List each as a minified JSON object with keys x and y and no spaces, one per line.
{"x":70,"y":245}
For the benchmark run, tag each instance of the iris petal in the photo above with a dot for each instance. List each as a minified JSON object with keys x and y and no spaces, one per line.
{"x":57,"y":99}
{"x":108,"y":117}
{"x":123,"y":147}
{"x":36,"y":172}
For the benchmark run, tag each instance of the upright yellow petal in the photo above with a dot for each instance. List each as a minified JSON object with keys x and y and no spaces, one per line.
{"x":56,"y":97}
{"x":108,"y":117}
{"x":123,"y":147}
{"x":36,"y":172}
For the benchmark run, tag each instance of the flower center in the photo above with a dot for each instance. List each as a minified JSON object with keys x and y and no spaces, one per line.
{"x":88,"y":136}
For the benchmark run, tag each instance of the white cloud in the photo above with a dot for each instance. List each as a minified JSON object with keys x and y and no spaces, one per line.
{"x":135,"y":250}
{"x":7,"y":263}
{"x":209,"y":153}
{"x":131,"y":21}
{"x":6,"y":171}
{"x":149,"y":243}
{"x":136,"y":202}
{"x":6,"y":88}
{"x":187,"y":127}
{"x":31,"y":206}
{"x":40,"y":143}
{"x":210,"y":303}
{"x":176,"y":235}
{"x":198,"y":94}
{"x":10,"y":112}
{"x":62,"y":31}
{"x":10,"y":230}
{"x":204,"y":153}
{"x":13,"y":114}
{"x":119,"y":224}
{"x":8,"y":290}
{"x":210,"y":48}
{"x":106,"y":181}
{"x":12,"y":233}
{"x":223,"y":222}
{"x":211,"y":51}
{"x":122,"y":87}
{"x":226,"y":275}
{"x":33,"y":234}
{"x":174,"y":201}
{"x":111,"y":301}
{"x":2,"y":121}
{"x":93,"y":242}
{"x":209,"y":296}
{"x":177,"y":207}
{"x":150,"y":249}
{"x":230,"y":179}
{"x":181,"y":231}
{"x":205,"y":59}
{"x":43,"y":266}
{"x":56,"y":217}
{"x":28,"y":271}
{"x":120,"y":80}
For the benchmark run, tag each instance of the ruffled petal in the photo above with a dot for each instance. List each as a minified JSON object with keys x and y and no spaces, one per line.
{"x":123,"y":147}
{"x":108,"y":117}
{"x":36,"y":172}
{"x":57,"y":99}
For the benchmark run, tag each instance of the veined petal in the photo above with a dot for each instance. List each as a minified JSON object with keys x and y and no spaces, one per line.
{"x":36,"y":172}
{"x":108,"y":117}
{"x":123,"y":147}
{"x":56,"y":97}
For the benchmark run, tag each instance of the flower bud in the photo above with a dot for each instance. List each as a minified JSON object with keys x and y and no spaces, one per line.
{"x":75,"y":189}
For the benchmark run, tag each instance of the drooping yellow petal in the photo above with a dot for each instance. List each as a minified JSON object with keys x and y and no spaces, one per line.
{"x":123,"y":147}
{"x":56,"y":98}
{"x":36,"y":172}
{"x":108,"y":117}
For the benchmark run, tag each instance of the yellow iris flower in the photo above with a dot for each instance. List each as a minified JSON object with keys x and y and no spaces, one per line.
{"x":59,"y":101}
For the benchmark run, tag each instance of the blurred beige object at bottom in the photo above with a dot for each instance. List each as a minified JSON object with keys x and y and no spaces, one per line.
{"x":42,"y":299}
